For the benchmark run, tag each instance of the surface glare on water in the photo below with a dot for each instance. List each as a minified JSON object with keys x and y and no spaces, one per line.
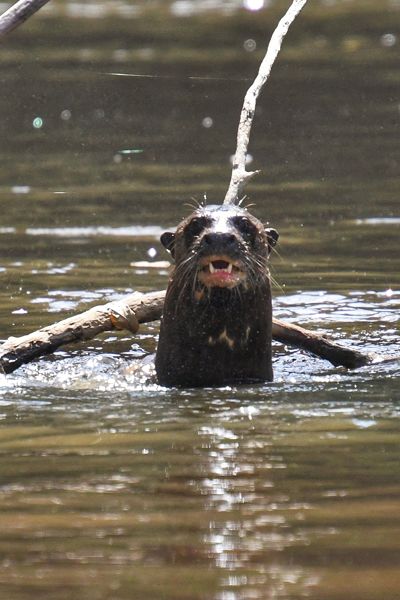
{"x":112,"y":487}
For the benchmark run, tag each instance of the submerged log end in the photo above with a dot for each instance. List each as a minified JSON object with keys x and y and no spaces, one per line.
{"x":351,"y":359}
{"x":320,"y":346}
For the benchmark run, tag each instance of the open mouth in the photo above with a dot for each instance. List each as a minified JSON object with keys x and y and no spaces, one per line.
{"x":220,"y":271}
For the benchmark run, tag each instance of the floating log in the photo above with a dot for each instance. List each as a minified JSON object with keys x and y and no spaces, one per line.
{"x":143,"y":308}
{"x":121,"y":314}
{"x":320,"y":345}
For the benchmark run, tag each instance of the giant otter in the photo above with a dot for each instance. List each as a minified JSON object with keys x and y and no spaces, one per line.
{"x":217,"y":319}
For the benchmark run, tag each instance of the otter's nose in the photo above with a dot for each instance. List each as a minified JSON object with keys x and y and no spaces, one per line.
{"x":219,"y":241}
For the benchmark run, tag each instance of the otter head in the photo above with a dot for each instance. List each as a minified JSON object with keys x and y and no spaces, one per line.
{"x":220,"y":247}
{"x":216,"y":327}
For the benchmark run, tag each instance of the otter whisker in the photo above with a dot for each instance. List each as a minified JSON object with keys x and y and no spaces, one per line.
{"x":250,"y":205}
{"x":183,"y":276}
{"x":182,"y":294}
{"x":275,"y":251}
{"x":276,"y":285}
{"x":193,"y":205}
{"x":256,"y":268}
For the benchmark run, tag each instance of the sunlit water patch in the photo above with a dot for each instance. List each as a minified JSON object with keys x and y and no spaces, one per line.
{"x":132,"y":231}
{"x":119,"y":363}
{"x":379,"y":221}
{"x":379,"y":307}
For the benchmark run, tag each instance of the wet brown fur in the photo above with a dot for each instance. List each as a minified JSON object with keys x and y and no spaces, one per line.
{"x":213,"y":335}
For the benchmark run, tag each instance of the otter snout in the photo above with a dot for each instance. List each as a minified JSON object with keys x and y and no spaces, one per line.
{"x":219,"y":243}
{"x":219,"y":263}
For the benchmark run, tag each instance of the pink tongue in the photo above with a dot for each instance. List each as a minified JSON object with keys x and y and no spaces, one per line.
{"x":221,"y":274}
{"x":220,"y":264}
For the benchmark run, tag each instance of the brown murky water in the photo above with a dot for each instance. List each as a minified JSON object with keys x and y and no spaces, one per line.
{"x":110,"y":486}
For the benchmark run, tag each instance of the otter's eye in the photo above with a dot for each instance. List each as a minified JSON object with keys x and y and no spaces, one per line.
{"x":246,"y":228}
{"x":194,"y":229}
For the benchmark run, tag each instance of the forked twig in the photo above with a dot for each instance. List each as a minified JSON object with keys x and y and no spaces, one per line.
{"x":240,"y":176}
{"x":18,"y":13}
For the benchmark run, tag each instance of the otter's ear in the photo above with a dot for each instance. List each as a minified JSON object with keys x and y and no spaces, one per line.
{"x":272,"y":236}
{"x":168,"y":241}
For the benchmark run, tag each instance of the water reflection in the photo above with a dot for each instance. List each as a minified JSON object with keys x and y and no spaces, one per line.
{"x":240,"y":484}
{"x":251,"y":489}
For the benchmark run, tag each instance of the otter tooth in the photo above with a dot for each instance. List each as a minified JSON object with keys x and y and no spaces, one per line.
{"x":212,"y":268}
{"x":229,"y":269}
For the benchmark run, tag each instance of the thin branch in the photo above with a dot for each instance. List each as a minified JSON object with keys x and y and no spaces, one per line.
{"x":18,"y":13}
{"x":143,"y":308}
{"x":240,"y":176}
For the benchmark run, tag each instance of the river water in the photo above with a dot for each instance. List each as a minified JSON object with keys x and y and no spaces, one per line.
{"x":115,"y":115}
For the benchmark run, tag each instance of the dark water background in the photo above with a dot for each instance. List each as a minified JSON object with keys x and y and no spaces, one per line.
{"x":114,"y":488}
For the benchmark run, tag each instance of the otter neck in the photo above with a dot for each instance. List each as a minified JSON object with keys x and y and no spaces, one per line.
{"x":218,"y":336}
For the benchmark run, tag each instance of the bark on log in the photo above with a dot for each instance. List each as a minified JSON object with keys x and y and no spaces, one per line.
{"x":320,"y":345}
{"x":143,"y":308}
{"x":121,"y":314}
{"x":18,"y":13}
